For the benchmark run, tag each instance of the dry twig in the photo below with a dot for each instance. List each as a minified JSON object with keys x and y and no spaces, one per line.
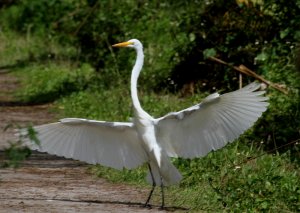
{"x":243,"y":69}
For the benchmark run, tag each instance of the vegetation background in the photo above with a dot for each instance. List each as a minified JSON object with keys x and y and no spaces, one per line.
{"x":61,"y":50}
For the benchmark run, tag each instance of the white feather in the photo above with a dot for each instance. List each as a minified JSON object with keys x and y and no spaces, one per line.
{"x":112,"y":144}
{"x":210,"y":125}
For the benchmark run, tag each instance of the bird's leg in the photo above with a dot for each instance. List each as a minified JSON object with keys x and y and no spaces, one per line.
{"x":162,"y":194}
{"x":153,"y":187}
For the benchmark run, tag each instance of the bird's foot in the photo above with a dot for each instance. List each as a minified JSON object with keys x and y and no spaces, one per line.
{"x":147,"y":205}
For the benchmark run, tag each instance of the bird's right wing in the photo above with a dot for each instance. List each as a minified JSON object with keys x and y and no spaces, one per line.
{"x":113,"y":144}
{"x":210,"y":125}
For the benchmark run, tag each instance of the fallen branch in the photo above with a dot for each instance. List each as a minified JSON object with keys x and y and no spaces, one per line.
{"x":243,"y":69}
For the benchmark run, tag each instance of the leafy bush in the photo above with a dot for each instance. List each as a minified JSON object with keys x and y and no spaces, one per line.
{"x":281,"y":124}
{"x":94,"y":25}
{"x":14,"y":155}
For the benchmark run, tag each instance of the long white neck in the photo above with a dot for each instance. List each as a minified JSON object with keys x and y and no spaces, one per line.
{"x":134,"y":77}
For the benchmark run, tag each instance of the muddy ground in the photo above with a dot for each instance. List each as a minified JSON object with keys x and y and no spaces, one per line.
{"x":47,"y":183}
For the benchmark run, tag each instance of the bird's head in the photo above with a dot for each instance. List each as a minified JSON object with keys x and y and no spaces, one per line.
{"x":133,"y":43}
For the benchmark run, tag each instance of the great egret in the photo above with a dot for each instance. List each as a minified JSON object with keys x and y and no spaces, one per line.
{"x":192,"y":132}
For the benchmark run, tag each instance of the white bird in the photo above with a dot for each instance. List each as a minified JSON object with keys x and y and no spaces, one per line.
{"x":190,"y":133}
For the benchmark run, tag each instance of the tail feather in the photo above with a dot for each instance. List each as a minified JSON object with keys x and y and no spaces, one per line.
{"x":167,"y":172}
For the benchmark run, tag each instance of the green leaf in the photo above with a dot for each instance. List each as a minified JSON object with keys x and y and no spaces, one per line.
{"x":284,"y":33}
{"x":264,"y":205}
{"x":32,"y":135}
{"x":261,"y":57}
{"x":209,"y":52}
{"x":192,"y":37}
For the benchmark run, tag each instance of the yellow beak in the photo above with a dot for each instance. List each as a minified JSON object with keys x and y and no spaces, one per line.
{"x":123,"y":44}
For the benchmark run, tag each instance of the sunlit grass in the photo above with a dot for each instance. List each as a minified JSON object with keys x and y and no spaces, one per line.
{"x":21,"y":50}
{"x":50,"y":81}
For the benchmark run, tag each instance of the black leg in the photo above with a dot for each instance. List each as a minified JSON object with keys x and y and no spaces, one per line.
{"x":153,"y":187}
{"x":162,"y":194}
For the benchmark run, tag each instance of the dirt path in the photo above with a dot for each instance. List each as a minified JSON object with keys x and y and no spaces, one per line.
{"x":51,"y":184}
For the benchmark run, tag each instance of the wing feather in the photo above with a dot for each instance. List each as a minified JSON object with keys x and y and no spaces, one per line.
{"x":210,"y":125}
{"x":113,"y":144}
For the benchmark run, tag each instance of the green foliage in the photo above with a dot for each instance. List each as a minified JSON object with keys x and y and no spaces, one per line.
{"x":281,"y":124}
{"x":130,"y":176}
{"x":16,"y":153}
{"x":52,"y":82}
{"x":263,"y":184}
{"x":229,"y":180}
{"x":106,"y":105}
{"x":20,"y":51}
{"x":41,"y":17}
{"x":31,"y":135}
{"x":238,"y":33}
{"x":93,"y":27}
{"x":209,"y":52}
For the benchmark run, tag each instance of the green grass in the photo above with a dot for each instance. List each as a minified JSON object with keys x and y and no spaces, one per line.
{"x":227,"y":180}
{"x":224,"y":181}
{"x":50,"y":81}
{"x":22,"y":50}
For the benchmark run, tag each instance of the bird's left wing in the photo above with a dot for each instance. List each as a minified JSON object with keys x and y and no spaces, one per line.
{"x":113,"y":144}
{"x":210,"y":125}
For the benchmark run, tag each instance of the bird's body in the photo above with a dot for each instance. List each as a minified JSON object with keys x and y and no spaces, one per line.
{"x":189,"y":133}
{"x":159,"y":163}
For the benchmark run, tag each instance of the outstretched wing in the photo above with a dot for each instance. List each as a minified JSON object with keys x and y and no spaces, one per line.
{"x":210,"y":125}
{"x":112,"y":144}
